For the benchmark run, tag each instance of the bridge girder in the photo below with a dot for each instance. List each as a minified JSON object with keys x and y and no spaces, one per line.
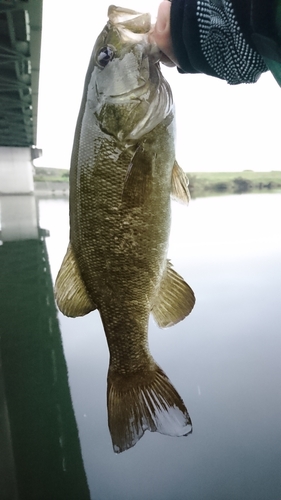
{"x":20,"y":43}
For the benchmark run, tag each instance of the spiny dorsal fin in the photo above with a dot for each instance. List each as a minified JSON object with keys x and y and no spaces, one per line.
{"x":141,"y":401}
{"x":70,"y":292}
{"x":175,"y":299}
{"x":179,"y":187}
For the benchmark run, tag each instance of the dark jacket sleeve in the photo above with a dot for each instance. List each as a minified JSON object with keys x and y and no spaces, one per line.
{"x":217,"y":37}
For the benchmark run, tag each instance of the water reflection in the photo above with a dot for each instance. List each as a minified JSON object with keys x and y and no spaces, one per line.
{"x":224,"y":361}
{"x":40,"y":449}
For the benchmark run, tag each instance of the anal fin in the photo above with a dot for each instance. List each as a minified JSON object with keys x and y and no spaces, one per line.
{"x":70,"y":292}
{"x":175,"y":299}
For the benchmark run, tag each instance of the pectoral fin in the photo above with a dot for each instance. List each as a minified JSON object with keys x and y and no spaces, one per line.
{"x":137,"y":182}
{"x":179,"y":188}
{"x":175,"y":299}
{"x":70,"y":292}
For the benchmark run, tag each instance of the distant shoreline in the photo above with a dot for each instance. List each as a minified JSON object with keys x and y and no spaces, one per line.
{"x":206,"y":183}
{"x":47,"y":188}
{"x":55,"y":182}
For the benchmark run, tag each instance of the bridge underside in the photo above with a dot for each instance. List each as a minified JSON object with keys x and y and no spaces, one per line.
{"x":20,"y":41}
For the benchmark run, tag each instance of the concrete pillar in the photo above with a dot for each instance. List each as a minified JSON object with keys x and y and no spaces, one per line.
{"x":18,"y":218}
{"x":16,"y":175}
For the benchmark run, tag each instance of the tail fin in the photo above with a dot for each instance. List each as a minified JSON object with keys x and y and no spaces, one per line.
{"x":144,"y":401}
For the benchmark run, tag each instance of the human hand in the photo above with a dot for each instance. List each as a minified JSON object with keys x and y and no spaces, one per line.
{"x":161,"y":34}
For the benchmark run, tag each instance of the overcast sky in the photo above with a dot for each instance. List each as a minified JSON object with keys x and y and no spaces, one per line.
{"x":219,"y":127}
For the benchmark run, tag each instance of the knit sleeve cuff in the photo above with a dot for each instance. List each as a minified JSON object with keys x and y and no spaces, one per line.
{"x":208,"y":39}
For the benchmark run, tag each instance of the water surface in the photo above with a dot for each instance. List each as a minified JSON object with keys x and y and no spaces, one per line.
{"x":224,"y":360}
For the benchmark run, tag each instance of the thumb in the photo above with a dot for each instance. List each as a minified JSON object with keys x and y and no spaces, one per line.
{"x":161,"y":33}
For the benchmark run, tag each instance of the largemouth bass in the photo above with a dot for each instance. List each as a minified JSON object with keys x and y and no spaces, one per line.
{"x":123,"y":171}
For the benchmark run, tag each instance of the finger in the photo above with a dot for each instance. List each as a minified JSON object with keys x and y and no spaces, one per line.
{"x":161,"y":34}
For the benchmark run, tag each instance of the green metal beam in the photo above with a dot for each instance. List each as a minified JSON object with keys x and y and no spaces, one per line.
{"x":20,"y":44}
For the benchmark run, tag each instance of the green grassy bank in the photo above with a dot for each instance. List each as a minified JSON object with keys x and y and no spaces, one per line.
{"x":200,"y":183}
{"x":204,"y":183}
{"x":51,"y":174}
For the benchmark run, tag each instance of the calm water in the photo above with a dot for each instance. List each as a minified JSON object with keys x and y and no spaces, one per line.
{"x":224,"y":360}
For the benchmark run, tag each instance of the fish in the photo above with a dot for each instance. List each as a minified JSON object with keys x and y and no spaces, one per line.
{"x":123,"y":174}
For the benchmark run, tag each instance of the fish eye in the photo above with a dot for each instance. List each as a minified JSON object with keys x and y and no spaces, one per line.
{"x":105,"y":55}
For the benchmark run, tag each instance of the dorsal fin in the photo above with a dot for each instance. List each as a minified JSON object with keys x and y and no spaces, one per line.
{"x":179,"y":187}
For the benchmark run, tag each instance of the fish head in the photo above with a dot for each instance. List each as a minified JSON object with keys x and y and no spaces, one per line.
{"x":127,"y":92}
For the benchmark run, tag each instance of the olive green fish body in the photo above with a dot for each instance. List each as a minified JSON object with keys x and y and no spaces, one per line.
{"x":123,"y":172}
{"x":121,"y":245}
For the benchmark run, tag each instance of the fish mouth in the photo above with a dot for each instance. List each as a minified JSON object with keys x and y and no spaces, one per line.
{"x":136,"y":22}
